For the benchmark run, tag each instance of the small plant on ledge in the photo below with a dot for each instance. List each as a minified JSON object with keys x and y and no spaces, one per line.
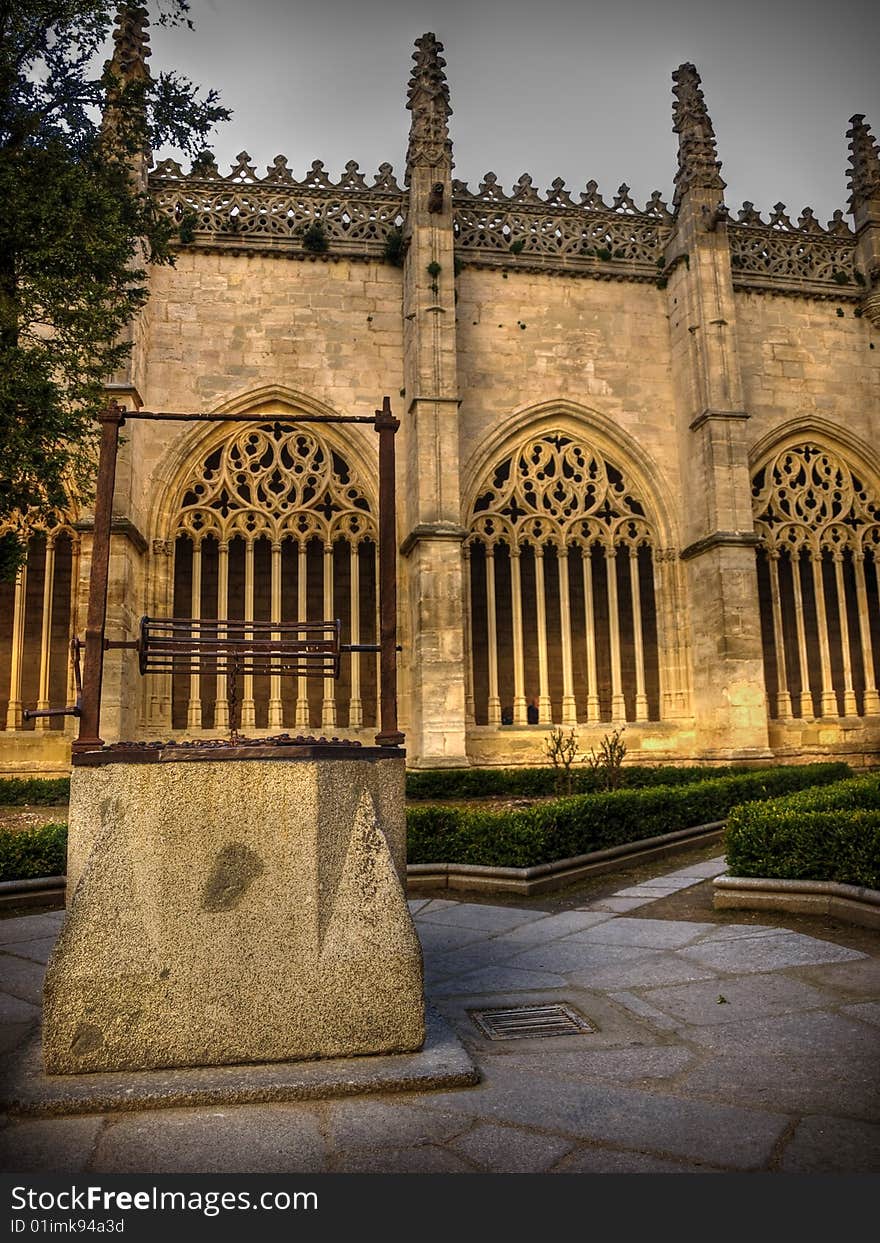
{"x":607,"y":764}
{"x":561,"y":750}
{"x":314,"y":238}
{"x":394,"y":247}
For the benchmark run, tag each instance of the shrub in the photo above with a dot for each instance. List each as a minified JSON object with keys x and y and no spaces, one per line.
{"x":582,"y":824}
{"x":433,"y":783}
{"x":829,"y":834}
{"x":28,"y":853}
{"x":37,"y":791}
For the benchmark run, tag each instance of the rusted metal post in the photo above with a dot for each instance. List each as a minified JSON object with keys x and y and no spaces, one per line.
{"x":386,"y":425}
{"x":93,"y":673}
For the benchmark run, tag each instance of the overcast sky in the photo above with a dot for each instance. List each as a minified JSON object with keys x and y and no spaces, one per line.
{"x":555,"y":88}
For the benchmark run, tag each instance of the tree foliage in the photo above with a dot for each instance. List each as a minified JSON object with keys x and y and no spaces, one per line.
{"x":77,"y":231}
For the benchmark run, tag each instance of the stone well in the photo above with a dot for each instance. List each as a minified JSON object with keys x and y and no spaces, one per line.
{"x":243,"y":904}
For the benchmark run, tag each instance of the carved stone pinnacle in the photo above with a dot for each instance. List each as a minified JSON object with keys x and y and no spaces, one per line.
{"x":428,"y":101}
{"x":864,"y":175}
{"x":698,"y":163}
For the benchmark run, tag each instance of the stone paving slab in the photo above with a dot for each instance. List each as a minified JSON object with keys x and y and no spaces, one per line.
{"x":726,"y":1000}
{"x":30,"y":927}
{"x":829,"y":1035}
{"x":35,"y":951}
{"x":25,"y":1089}
{"x":22,"y":978}
{"x":574,"y":954}
{"x":790,"y":949}
{"x":479,"y":917}
{"x":596,"y":1160}
{"x":649,"y":969}
{"x":498,"y":980}
{"x":509,"y":1150}
{"x":823,"y":1145}
{"x":867,"y":1011}
{"x":56,"y":1145}
{"x":649,"y":933}
{"x":631,"y":1064}
{"x":796,"y":1084}
{"x":662,"y":1124}
{"x":15,"y":1010}
{"x":263,"y":1139}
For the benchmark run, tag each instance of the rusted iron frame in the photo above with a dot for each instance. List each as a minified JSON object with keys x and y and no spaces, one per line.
{"x":112,"y":419}
{"x":386,"y":425}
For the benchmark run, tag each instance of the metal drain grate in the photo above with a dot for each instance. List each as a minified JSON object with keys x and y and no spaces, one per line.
{"x":531,"y":1022}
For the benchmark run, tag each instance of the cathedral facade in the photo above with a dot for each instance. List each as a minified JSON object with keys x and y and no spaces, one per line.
{"x":638,"y":476}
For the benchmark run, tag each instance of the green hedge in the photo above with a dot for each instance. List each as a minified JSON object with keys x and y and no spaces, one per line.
{"x":36,"y":791}
{"x":33,"y":852}
{"x":583,"y":823}
{"x":827,"y":834}
{"x":456,"y":783}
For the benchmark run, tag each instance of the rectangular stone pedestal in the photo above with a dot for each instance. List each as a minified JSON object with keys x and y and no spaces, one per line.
{"x":234,"y":910}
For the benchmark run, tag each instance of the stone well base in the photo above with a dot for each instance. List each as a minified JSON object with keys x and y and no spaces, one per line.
{"x":234,"y":910}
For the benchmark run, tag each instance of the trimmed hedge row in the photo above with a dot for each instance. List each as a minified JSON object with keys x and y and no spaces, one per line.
{"x":432,"y":783}
{"x":828,"y":834}
{"x":33,"y":852}
{"x":36,"y":791}
{"x":583,"y":823}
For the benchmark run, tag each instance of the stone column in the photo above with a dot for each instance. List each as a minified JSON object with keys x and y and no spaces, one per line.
{"x":729,"y":700}
{"x":428,"y":476}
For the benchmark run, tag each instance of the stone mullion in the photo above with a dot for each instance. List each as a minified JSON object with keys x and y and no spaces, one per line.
{"x":194,"y":707}
{"x":73,"y":622}
{"x":520,"y":712}
{"x":593,"y":707}
{"x":850,"y":707}
{"x":545,"y":708}
{"x":44,"y":722}
{"x":13,"y":709}
{"x":276,"y":707}
{"x":494,"y":704}
{"x":468,"y":635}
{"x":569,"y":709}
{"x":618,"y":703}
{"x":248,"y":708}
{"x":328,"y":706}
{"x":828,"y":697}
{"x":221,"y":703}
{"x":783,"y":696}
{"x":302,"y":599}
{"x":638,"y":638}
{"x":355,"y":703}
{"x":871,"y":696}
{"x":806,"y":696}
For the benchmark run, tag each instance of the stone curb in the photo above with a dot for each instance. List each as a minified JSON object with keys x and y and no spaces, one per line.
{"x":544,"y":877}
{"x":851,"y":903}
{"x":31,"y":892}
{"x":442,"y":1063}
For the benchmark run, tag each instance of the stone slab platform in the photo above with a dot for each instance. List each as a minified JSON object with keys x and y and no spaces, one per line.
{"x":442,"y":1063}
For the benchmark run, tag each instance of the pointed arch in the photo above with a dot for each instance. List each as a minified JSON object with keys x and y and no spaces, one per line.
{"x":268,"y":520}
{"x":565,"y":519}
{"x":816,"y":506}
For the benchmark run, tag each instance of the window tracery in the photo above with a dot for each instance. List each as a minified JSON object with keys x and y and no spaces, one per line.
{"x":560,"y":573}
{"x":819,"y":527}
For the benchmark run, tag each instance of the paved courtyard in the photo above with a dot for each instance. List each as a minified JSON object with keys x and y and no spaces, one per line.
{"x":712,"y":1047}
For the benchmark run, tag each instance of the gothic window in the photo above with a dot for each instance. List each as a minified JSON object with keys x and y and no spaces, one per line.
{"x":819,"y":527}
{"x":37,"y":620}
{"x":562,"y":617}
{"x":275,"y":525}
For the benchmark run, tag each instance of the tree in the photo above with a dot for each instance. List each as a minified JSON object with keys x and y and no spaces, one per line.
{"x":77,"y":229}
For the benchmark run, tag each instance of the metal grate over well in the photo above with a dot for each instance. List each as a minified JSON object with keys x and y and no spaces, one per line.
{"x":531,"y":1022}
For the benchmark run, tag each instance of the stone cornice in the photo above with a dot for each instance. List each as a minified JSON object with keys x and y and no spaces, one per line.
{"x":719,"y":539}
